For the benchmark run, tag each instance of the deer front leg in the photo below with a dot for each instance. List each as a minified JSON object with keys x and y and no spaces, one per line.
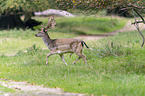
{"x":62,"y":57}
{"x":48,"y":56}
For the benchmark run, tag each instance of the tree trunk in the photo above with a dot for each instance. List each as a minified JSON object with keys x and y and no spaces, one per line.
{"x":28,"y":16}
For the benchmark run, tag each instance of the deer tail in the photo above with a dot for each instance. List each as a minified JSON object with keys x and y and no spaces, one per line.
{"x":83,"y":43}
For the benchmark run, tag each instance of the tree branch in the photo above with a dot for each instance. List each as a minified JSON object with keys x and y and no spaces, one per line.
{"x":134,"y":6}
{"x":139,"y":15}
{"x":137,"y":26}
{"x":138,"y":22}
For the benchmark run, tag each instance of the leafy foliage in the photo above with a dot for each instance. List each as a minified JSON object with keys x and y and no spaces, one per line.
{"x":100,"y":4}
{"x":38,"y":5}
{"x":16,"y":6}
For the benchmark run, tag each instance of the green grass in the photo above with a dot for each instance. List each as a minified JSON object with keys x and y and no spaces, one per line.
{"x":86,"y":25}
{"x":112,"y":75}
{"x":116,"y":64}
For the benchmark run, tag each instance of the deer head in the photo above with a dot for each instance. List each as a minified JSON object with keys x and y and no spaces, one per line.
{"x":51,"y":24}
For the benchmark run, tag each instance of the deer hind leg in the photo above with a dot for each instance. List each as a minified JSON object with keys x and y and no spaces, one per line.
{"x":78,"y":51}
{"x":76,"y":60}
{"x":62,"y":57}
{"x":81,"y":56}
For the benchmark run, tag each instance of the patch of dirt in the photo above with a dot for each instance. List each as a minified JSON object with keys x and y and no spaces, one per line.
{"x":27,"y":89}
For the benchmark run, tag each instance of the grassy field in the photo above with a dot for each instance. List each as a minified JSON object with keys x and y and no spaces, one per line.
{"x":116,"y":64}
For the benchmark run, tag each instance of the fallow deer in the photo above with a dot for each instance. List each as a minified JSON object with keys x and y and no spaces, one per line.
{"x":61,"y":46}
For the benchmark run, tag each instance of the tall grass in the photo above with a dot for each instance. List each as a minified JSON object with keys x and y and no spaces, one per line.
{"x":110,"y":49}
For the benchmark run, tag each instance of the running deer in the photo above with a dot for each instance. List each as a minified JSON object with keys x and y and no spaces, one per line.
{"x":61,"y":46}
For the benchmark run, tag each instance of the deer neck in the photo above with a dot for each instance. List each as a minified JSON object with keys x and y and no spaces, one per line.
{"x":46,"y":39}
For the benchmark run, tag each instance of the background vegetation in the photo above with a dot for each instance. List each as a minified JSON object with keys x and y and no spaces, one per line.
{"x":12,"y":9}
